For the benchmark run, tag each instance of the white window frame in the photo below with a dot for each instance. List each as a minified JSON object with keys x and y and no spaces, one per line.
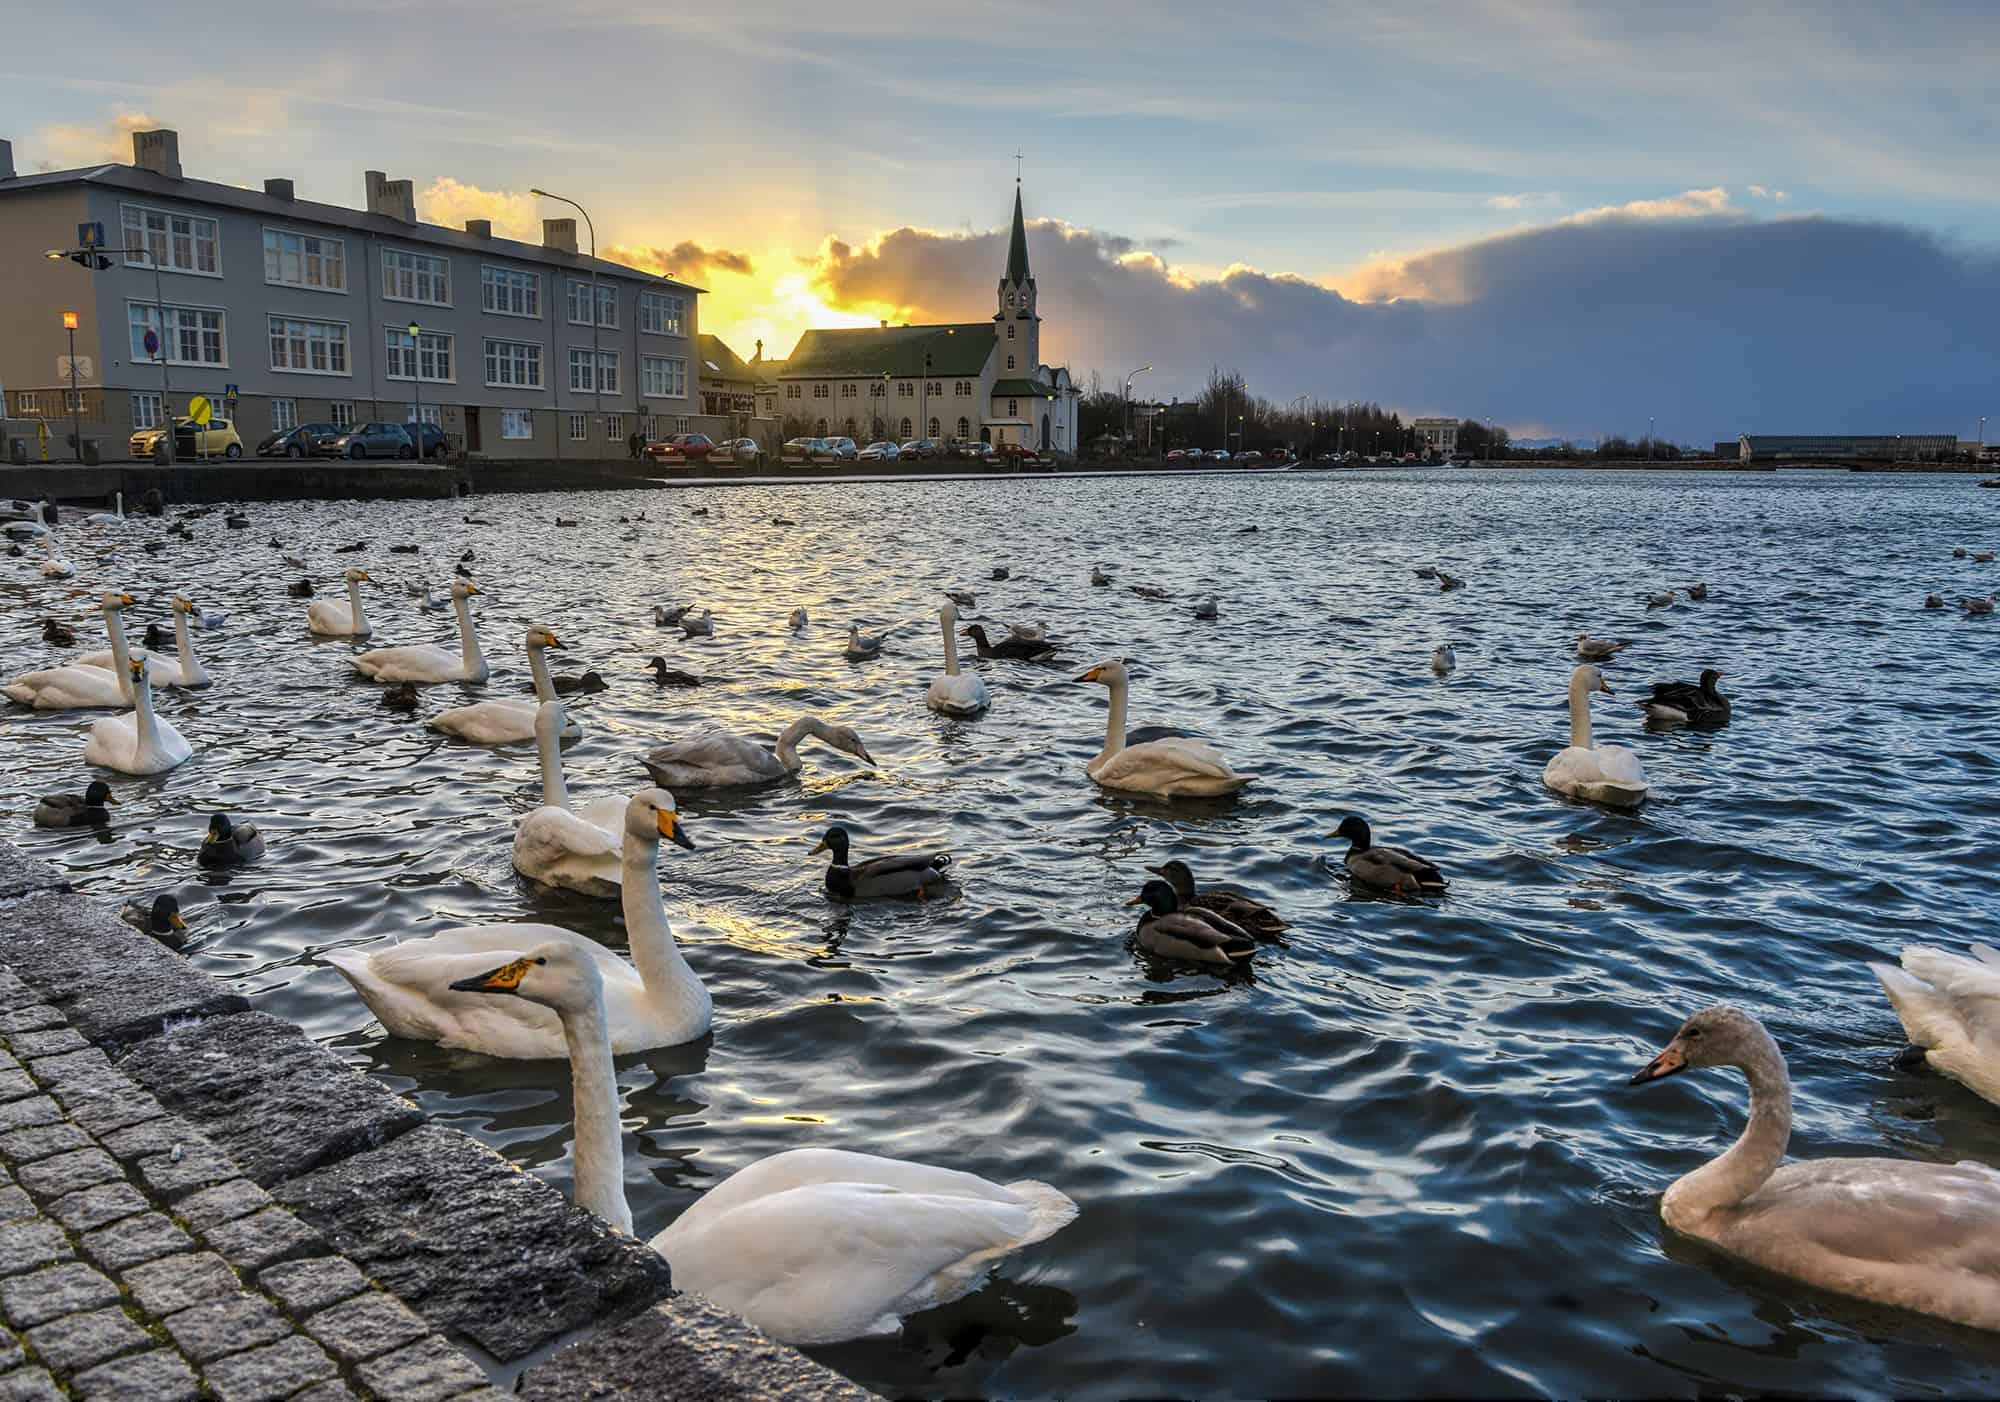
{"x":1010,"y":330}
{"x":614,"y":428}
{"x":663,"y":313}
{"x":432,"y":414}
{"x":284,"y":415}
{"x":148,"y":408}
{"x":937,"y":431}
{"x":821,"y":392}
{"x":516,"y":361}
{"x":793,"y":392}
{"x":908,"y":430}
{"x":144,"y":239}
{"x":340,"y":413}
{"x":607,"y":371}
{"x":905,"y":390}
{"x":170,"y":345}
{"x":393,"y":275}
{"x":337,"y":259}
{"x":1010,"y":362}
{"x":513,"y":419}
{"x":964,"y":428}
{"x":28,"y":403}
{"x":579,"y":428}
{"x":394,"y":349}
{"x":304,"y":340}
{"x":76,"y":401}
{"x":663,"y":377}
{"x":607,"y":301}
{"x":494,"y":277}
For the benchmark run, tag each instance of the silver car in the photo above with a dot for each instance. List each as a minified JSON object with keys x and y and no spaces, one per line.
{"x":844,"y":446}
{"x":881,"y":452}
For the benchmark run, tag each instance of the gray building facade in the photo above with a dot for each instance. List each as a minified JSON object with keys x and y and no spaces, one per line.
{"x":303,"y":310}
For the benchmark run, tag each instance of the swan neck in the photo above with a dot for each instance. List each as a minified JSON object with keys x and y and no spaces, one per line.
{"x":600,"y":1156}
{"x":548,"y":748}
{"x":1114,"y":718}
{"x":191,"y":672}
{"x":671,"y":986}
{"x":121,"y":653}
{"x":354,"y":609}
{"x":1755,"y":1156}
{"x":468,"y":641}
{"x":950,"y":648}
{"x":148,"y":728}
{"x":788,"y":741}
{"x":538,"y":668}
{"x":1579,"y":715}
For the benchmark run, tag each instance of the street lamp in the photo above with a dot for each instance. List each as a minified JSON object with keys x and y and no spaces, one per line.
{"x":75,"y":404}
{"x":417,"y":386}
{"x":1128,"y":403}
{"x":596,"y":366}
{"x":83,"y":258}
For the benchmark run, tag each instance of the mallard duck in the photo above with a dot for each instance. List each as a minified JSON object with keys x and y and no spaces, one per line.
{"x":400,"y":697}
{"x":1449,"y":582}
{"x":230,"y":844}
{"x":920,"y":875}
{"x":161,"y":918}
{"x":1009,"y":648}
{"x":75,"y":810}
{"x":1933,"y":601}
{"x":587,"y":684}
{"x":1392,"y":869}
{"x":1240,"y":911}
{"x":402,"y":550}
{"x":861,"y":646}
{"x":663,"y":675}
{"x":300,"y":589}
{"x":1169,"y":932}
{"x":1687,"y":703}
{"x":59,"y":634}
{"x":1444,"y":659}
{"x":564,"y":521}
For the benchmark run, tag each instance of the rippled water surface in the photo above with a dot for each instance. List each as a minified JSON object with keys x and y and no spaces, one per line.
{"x":1399,"y":1156}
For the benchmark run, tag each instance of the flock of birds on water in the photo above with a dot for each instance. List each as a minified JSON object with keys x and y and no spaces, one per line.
{"x":817,"y":1245}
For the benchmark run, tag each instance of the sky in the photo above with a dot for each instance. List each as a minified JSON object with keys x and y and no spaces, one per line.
{"x":1573,"y":219}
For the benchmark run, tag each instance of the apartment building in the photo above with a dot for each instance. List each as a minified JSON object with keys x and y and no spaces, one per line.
{"x":285,"y":312}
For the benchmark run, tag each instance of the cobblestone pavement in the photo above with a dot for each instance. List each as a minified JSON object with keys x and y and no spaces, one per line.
{"x":137,"y":1262}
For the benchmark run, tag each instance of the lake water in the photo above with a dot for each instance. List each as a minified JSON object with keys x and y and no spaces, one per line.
{"x":1400,"y":1155}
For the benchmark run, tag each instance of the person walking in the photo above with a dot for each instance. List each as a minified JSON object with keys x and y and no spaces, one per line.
{"x":635,"y":444}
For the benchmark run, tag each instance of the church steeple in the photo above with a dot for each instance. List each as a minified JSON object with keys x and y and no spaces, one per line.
{"x":1019,"y":322}
{"x":1017,"y":247}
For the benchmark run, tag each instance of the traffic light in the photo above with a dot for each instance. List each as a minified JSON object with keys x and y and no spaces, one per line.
{"x":94,"y":262}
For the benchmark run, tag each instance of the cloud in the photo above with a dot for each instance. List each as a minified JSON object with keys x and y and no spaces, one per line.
{"x":686,"y":260}
{"x":1688,"y":204}
{"x":1765,"y":193}
{"x":68,"y":147}
{"x":515,"y":215}
{"x":1522,"y":201}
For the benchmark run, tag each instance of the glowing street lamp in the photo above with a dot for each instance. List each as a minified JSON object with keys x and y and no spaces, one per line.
{"x":75,"y":403}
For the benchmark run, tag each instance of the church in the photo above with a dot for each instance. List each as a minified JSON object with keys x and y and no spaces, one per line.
{"x":980,"y":380}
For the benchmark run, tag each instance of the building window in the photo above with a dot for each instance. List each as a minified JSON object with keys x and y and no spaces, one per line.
{"x":663,"y":313}
{"x":905,"y":390}
{"x":820,"y":428}
{"x":936,"y":430}
{"x":614,"y":427}
{"x":1010,"y":362}
{"x":964,"y":428}
{"x":906,"y":430}
{"x":146,"y":411}
{"x":819,"y":391}
{"x":514,"y":364}
{"x":415,"y":277}
{"x":27,"y":403}
{"x":510,"y":292}
{"x":194,"y":335}
{"x":878,"y":390}
{"x":579,"y":427}
{"x":430,"y":413}
{"x":663,"y":377}
{"x":1010,"y":330}
{"x":341,"y":413}
{"x":517,"y":424}
{"x":579,"y":304}
{"x":847,"y":390}
{"x":308,"y":347}
{"x":963,"y":389}
{"x":1010,"y":299}
{"x":1013,"y":408}
{"x":305,"y":260}
{"x":77,"y":401}
{"x":178,"y":243}
{"x":791,"y":391}
{"x":933,"y":387}
{"x":579,"y":371}
{"x":284,"y":415}
{"x":427,"y":356}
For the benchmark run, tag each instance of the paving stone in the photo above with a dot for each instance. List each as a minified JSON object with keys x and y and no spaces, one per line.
{"x":222,"y":1327}
{"x":273,"y":1371}
{"x":12,"y":1355}
{"x":198,"y":1167}
{"x":306,"y":1287}
{"x":365,"y":1327}
{"x":264,"y":1238}
{"x":110,"y":1105}
{"x":29,"y":1384}
{"x":225,"y":1202}
{"x":15,"y":1204}
{"x":35,"y":1242}
{"x":179,"y":1282}
{"x":427,"y":1371}
{"x":15,"y":1083}
{"x":20,"y":873}
{"x":33,"y":1018}
{"x":154,"y":1136}
{"x":116,"y":985}
{"x":135,"y":1241}
{"x":67,"y":1289}
{"x":75,"y":1064}
{"x":34,"y":1110}
{"x":98,"y":1207}
{"x":63,"y":1174}
{"x":276,"y":1101}
{"x":335,"y":1391}
{"x":159,"y":1376}
{"x":41,"y":1141}
{"x":54,"y":1037}
{"x":472,"y":1244}
{"x":84,"y":1340}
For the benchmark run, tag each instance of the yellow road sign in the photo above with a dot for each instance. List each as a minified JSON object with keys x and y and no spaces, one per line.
{"x":200,"y":410}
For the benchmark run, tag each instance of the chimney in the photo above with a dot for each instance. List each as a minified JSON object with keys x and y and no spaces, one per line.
{"x":395,"y":198}
{"x":479,"y":228}
{"x":885,"y":324}
{"x":760,"y":350}
{"x":559,"y":234}
{"x":279,"y":189}
{"x":158,"y":151}
{"x":6,"y":160}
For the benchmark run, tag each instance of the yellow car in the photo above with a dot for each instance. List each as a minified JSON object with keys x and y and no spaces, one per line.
{"x":218,"y":439}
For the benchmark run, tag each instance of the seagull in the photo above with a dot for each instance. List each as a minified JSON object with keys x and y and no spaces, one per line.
{"x":1099,"y":577}
{"x":1206,"y":608}
{"x":703,"y":627}
{"x":294,"y":561}
{"x":1029,"y":632}
{"x":1596,"y":649}
{"x":665,"y":617}
{"x":1660,"y":601}
{"x":1426,"y":572}
{"x":798,"y":619}
{"x":860,"y":645}
{"x":964,"y":598}
{"x":1443,"y":659}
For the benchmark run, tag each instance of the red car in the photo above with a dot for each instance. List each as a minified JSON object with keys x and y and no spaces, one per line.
{"x":682,"y":447}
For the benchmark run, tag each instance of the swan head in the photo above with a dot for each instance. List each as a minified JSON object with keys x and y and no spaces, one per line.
{"x":461,"y":590}
{"x":115,"y":599}
{"x":556,"y":975}
{"x":1158,"y":897}
{"x":1109,"y":672}
{"x":651,"y":816}
{"x":1717,"y":1036}
{"x":139,"y":671}
{"x":1588,"y":678}
{"x":845,"y":739}
{"x":358,"y":576}
{"x":1177,"y":874}
{"x":549,"y":722}
{"x":835,"y":842}
{"x":1354,"y":828}
{"x":948,"y":614}
{"x":543,"y":638}
{"x":184,"y":605}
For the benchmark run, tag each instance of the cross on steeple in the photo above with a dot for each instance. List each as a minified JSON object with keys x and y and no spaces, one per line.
{"x":1017,"y":167}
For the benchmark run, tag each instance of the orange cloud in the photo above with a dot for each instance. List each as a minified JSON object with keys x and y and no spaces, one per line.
{"x":67,"y":147}
{"x":451,"y":202}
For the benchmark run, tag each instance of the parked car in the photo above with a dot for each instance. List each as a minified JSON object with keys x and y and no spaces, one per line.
{"x":747,"y":452}
{"x":810,"y":450}
{"x":880,"y":452}
{"x":218,"y":439}
{"x":300,"y":442}
{"x":436,"y":444}
{"x":1249,"y":459}
{"x":921,"y":448}
{"x":1218,"y":455}
{"x":847,"y":448}
{"x":682,"y":447}
{"x":976,"y":451}
{"x":371,"y":440}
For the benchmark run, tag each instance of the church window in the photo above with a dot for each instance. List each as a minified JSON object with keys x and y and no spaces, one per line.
{"x":1010,"y":362}
{"x":905,"y":390}
{"x":1010,"y":299}
{"x":934,"y":387}
{"x":847,"y":390}
{"x":877,"y":390}
{"x":1010,"y":330}
{"x":1013,"y":408}
{"x":819,"y":391}
{"x":791,"y":391}
{"x":906,"y":429}
{"x":963,"y":389}
{"x":936,"y":431}
{"x":821,"y":430}
{"x":964,"y":428}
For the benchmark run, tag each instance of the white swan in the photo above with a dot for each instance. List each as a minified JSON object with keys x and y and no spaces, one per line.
{"x":658,"y":1003}
{"x":55,"y":566}
{"x":559,"y":847}
{"x":328,"y":618}
{"x":186,"y":673}
{"x":1919,"y":1236}
{"x":812,"y":1246}
{"x":509,"y":722}
{"x":114,"y":517}
{"x":956,"y":693}
{"x":719,"y":760}
{"x":426,"y":663}
{"x":74,"y":687}
{"x":1604,"y":774}
{"x":1169,"y":768}
{"x":139,"y":743}
{"x":1950,"y":1006}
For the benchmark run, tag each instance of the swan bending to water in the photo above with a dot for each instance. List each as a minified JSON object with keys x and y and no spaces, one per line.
{"x":425,"y":663}
{"x":78,"y":687}
{"x":578,"y":850}
{"x":813,"y":1246}
{"x":1950,"y":1006}
{"x":1603,"y":774}
{"x":331,"y":619}
{"x":1901,"y":1232}
{"x":1169,"y":768}
{"x":654,"y":1001}
{"x":139,"y":743}
{"x":720,"y":760}
{"x":55,"y":566}
{"x":184,"y":671}
{"x":956,"y":693}
{"x":509,"y":722}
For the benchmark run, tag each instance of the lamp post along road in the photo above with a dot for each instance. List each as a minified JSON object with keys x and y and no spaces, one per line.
{"x":417,"y":388}
{"x":596,"y":368}
{"x":83,"y":258}
{"x":1128,"y":403}
{"x":75,"y":403}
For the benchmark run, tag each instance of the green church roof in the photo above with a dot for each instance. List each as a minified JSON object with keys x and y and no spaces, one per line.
{"x":955,"y":351}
